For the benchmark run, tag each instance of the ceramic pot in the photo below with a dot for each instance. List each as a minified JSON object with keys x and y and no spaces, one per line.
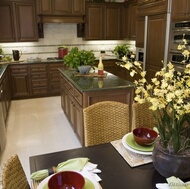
{"x":167,"y":165}
{"x":84,"y":69}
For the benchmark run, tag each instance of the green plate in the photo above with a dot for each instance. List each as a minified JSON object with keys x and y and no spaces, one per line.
{"x":131,"y":142}
{"x":88,"y":185}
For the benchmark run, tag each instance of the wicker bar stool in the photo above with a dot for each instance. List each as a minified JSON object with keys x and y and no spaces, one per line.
{"x":142,"y":116}
{"x":105,"y":122}
{"x":13,"y":175}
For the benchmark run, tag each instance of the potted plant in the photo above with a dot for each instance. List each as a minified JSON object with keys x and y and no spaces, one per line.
{"x":121,"y":50}
{"x":168,"y":96}
{"x":80,"y":59}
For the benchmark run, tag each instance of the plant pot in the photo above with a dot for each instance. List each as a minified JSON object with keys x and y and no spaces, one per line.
{"x":167,"y":165}
{"x":84,"y":69}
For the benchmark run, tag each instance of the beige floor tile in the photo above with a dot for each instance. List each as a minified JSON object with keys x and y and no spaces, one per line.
{"x":37,"y":126}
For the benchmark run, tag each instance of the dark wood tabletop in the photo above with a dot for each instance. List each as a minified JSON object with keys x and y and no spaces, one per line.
{"x":116,"y":173}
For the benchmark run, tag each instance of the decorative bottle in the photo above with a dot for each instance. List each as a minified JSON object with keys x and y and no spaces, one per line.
{"x":100,"y":67}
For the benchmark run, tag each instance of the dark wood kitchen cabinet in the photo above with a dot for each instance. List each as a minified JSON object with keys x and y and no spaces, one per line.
{"x":71,"y":102}
{"x":129,"y":20}
{"x":155,"y":44}
{"x":103,"y":21}
{"x":54,"y":78}
{"x":18,"y":21}
{"x":39,"y":79}
{"x":76,"y":95}
{"x":61,"y":7}
{"x":5,"y":94}
{"x":35,"y":80}
{"x":20,"y":83}
{"x":180,"y":10}
{"x":140,"y":32}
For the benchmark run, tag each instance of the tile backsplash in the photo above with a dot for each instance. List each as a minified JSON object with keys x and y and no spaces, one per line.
{"x":56,"y":35}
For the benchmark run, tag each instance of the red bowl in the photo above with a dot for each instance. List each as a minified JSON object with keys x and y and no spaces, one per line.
{"x":66,"y":179}
{"x":144,"y":136}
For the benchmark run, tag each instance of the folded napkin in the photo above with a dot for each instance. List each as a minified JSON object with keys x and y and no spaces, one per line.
{"x":75,"y":164}
{"x":173,"y":183}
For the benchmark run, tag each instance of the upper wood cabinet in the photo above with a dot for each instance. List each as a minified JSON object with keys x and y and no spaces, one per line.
{"x":18,"y":21}
{"x":140,"y":32}
{"x":129,"y":20}
{"x":152,"y":7}
{"x":180,"y":10}
{"x":61,"y":7}
{"x":103,"y":21}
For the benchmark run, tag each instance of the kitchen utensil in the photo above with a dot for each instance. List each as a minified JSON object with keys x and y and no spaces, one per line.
{"x":62,"y":51}
{"x":16,"y":54}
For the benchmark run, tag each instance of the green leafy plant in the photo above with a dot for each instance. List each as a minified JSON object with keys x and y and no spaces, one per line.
{"x":168,"y":95}
{"x":121,"y":50}
{"x":78,"y":57}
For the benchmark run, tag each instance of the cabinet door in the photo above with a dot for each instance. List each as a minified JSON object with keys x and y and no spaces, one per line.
{"x":78,"y":7}
{"x":79,"y":127}
{"x":112,"y":23}
{"x":26,"y":22}
{"x":94,"y":26}
{"x":20,"y":81}
{"x":45,"y":7}
{"x":140,"y":32}
{"x":180,"y":9}
{"x":125,"y":30}
{"x":133,"y":20}
{"x":155,"y":44}
{"x":20,"y":85}
{"x":7,"y":31}
{"x":62,"y":6}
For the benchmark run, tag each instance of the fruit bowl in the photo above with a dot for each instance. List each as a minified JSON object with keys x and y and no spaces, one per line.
{"x":66,"y":180}
{"x":144,"y":136}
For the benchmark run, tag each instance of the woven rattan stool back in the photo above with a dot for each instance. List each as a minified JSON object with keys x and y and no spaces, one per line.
{"x":105,"y":122}
{"x":142,"y":116}
{"x":13,"y":175}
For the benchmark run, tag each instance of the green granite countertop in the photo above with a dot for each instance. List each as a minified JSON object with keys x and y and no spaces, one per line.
{"x":93,"y":83}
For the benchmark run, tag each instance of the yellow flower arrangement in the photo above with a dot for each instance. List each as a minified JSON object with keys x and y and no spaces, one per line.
{"x":168,"y":94}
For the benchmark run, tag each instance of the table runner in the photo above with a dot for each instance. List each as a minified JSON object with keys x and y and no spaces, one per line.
{"x":132,"y":158}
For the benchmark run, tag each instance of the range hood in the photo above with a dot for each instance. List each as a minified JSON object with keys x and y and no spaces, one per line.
{"x":61,"y":19}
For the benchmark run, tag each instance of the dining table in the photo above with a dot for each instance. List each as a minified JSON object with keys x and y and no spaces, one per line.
{"x":115,"y":171}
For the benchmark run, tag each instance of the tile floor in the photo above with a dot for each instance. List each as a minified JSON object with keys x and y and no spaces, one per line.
{"x":37,"y":126}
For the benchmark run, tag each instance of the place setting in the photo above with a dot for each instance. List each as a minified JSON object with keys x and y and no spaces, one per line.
{"x":74,"y":173}
{"x":137,"y":146}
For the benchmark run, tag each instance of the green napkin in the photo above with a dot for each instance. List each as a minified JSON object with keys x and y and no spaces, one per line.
{"x":75,"y":164}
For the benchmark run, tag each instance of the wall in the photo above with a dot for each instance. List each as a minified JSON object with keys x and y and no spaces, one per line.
{"x":56,"y":35}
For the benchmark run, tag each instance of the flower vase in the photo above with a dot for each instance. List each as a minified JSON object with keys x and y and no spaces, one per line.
{"x":167,"y":165}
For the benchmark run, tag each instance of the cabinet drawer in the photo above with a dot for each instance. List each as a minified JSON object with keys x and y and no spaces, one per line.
{"x":40,"y":83}
{"x":42,"y":91}
{"x":54,"y":77}
{"x":54,"y":67}
{"x":19,"y":69}
{"x":39,"y":76}
{"x":78,"y":96}
{"x":38,"y":68}
{"x":69,"y":88}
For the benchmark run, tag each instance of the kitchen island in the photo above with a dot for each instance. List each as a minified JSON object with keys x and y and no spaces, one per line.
{"x":79,"y":92}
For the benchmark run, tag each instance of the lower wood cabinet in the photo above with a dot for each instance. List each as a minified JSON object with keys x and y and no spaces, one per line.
{"x":5,"y":95}
{"x":20,"y":84}
{"x":35,"y":80}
